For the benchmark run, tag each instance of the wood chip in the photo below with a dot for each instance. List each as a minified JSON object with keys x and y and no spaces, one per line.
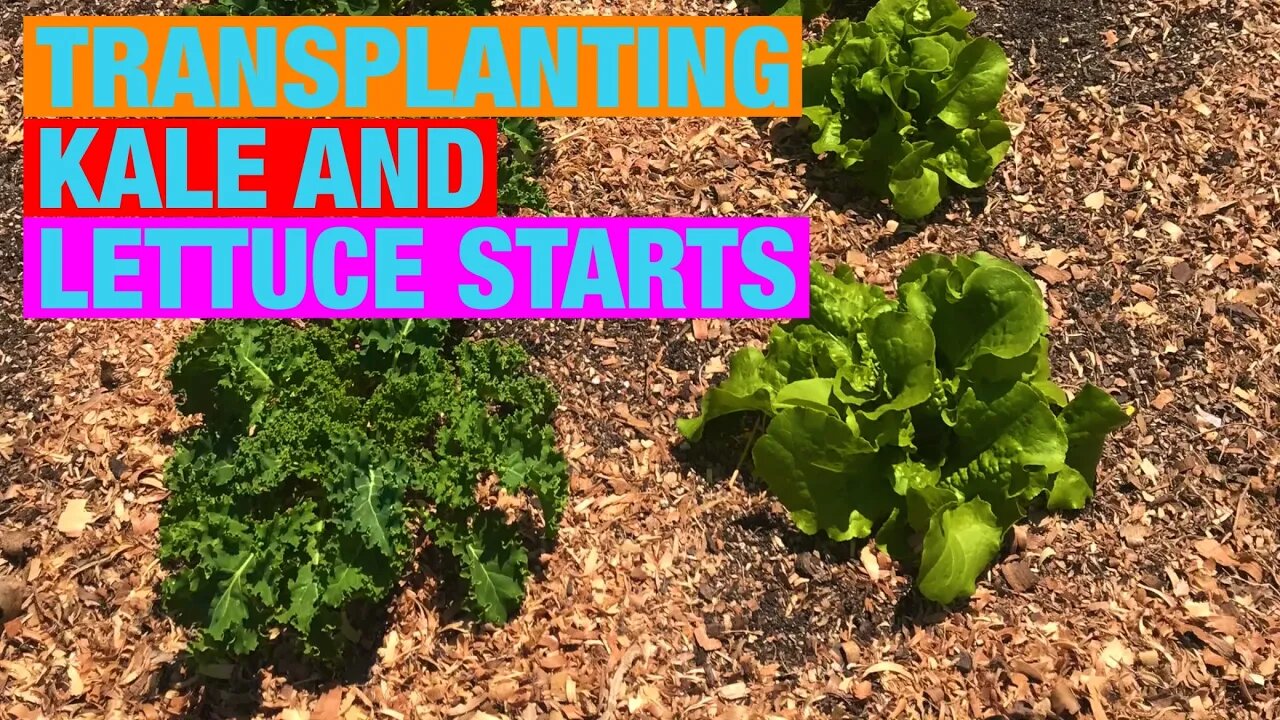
{"x":328,"y":706}
{"x":74,"y":518}
{"x":1213,"y":550}
{"x":1052,"y":275}
{"x":1063,"y":699}
{"x":735,"y":691}
{"x":1020,"y":576}
{"x":869,"y":562}
{"x":704,"y":641}
{"x":13,"y":593}
{"x":850,"y":652}
{"x":886,"y":667}
{"x":1144,"y":291}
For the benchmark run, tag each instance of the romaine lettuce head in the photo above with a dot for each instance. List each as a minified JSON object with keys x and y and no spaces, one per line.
{"x":906,"y":101}
{"x":930,"y":421}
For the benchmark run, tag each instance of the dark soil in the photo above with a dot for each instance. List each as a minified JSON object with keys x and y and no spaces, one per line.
{"x":22,"y":346}
{"x":782,"y":597}
{"x":1134,"y":56}
{"x":592,"y":359}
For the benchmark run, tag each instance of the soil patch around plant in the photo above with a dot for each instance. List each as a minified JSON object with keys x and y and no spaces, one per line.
{"x":678,"y":591}
{"x":784,"y":598}
{"x":1137,"y":53}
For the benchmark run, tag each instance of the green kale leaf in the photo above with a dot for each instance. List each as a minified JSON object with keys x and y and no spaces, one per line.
{"x":327,"y":453}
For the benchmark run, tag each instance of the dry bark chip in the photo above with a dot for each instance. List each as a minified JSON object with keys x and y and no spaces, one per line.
{"x":1162,"y":398}
{"x":1052,"y":275}
{"x":16,"y":545}
{"x":1116,"y":654}
{"x":328,"y":706}
{"x":1181,"y":272}
{"x":1031,"y":671}
{"x":1020,"y":576}
{"x":1063,"y":699}
{"x":735,"y":691}
{"x":501,"y":691}
{"x":74,"y":518}
{"x":705,"y":641}
{"x":850,"y":651}
{"x":13,"y":592}
{"x":1144,"y":291}
{"x":1213,"y":550}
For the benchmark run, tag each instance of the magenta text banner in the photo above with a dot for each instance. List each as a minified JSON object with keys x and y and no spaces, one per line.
{"x":407,"y":267}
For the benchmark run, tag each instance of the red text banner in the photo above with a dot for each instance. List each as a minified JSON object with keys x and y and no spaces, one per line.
{"x":245,"y":168}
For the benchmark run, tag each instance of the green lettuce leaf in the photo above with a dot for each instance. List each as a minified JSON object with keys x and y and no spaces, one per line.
{"x":916,"y":187}
{"x":1087,"y":420}
{"x":988,"y":308}
{"x":751,"y":386}
{"x":816,"y":465}
{"x":907,"y":102}
{"x":1007,"y":441}
{"x":961,"y":542}
{"x":974,"y":86}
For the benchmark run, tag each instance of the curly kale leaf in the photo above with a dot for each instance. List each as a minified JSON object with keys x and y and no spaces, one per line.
{"x":326,"y":452}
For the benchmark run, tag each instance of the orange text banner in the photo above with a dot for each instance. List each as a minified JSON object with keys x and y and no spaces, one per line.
{"x":412,"y":67}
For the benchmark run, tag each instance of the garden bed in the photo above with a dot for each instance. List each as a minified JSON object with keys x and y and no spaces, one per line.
{"x":1139,"y":189}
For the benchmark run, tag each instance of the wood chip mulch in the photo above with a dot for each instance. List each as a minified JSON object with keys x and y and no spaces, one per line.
{"x":1142,"y":192}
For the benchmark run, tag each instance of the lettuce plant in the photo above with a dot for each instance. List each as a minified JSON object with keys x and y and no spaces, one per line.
{"x":930,"y":422}
{"x":806,"y":9}
{"x":906,"y":101}
{"x":324,"y":453}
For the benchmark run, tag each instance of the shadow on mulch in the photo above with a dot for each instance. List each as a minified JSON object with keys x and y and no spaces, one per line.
{"x":789,"y":623}
{"x":235,"y":693}
{"x":837,"y":189}
{"x":1077,"y":45}
{"x":234,"y":690}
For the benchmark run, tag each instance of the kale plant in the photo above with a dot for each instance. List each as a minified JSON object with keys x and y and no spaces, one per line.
{"x":326,"y":451}
{"x":930,"y":422}
{"x":518,"y":165}
{"x":905,"y":101}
